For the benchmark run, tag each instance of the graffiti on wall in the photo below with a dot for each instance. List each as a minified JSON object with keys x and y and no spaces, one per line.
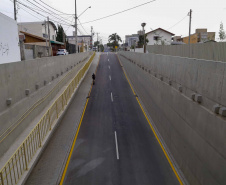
{"x":4,"y":49}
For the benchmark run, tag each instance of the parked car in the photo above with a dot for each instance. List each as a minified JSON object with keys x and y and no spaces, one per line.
{"x":62,"y":52}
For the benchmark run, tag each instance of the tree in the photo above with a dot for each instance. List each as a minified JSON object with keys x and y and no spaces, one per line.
{"x":96,"y":43}
{"x":222,"y":34}
{"x":101,"y":47}
{"x":141,"y":41}
{"x":113,"y":40}
{"x":60,"y":34}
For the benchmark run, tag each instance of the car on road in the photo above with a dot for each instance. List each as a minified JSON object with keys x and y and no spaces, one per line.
{"x":62,"y":52}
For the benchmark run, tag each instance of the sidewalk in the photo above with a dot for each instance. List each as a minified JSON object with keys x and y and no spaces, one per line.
{"x":51,"y":164}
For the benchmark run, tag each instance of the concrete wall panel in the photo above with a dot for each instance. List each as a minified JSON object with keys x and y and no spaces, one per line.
{"x":16,"y":77}
{"x":194,"y":134}
{"x":207,"y":51}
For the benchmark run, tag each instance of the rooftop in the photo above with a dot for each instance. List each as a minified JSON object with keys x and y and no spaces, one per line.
{"x":162,"y":30}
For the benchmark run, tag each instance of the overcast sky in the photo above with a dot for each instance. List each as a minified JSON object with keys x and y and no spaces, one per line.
{"x":160,"y":13}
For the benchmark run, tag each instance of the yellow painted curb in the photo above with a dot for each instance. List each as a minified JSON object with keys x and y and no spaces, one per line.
{"x":73,"y":145}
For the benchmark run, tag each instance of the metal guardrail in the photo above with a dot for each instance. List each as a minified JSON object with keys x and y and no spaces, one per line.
{"x":16,"y":166}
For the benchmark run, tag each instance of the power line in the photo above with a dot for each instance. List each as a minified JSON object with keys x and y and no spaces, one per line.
{"x":177,"y":23}
{"x":44,"y":10}
{"x":82,"y":26}
{"x":71,"y":24}
{"x":55,"y":9}
{"x":30,"y":13}
{"x":30,"y":8}
{"x":119,"y":12}
{"x":49,"y":10}
{"x":173,"y":25}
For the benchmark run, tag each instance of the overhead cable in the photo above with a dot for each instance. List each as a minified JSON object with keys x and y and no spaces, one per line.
{"x":119,"y":12}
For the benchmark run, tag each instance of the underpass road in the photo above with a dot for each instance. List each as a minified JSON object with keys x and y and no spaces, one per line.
{"x":115,"y":144}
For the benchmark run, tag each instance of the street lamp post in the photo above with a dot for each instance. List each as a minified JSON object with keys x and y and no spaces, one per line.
{"x":76,"y":25}
{"x":143,"y":25}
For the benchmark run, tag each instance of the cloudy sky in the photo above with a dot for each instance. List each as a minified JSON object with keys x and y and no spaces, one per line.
{"x":167,"y":14}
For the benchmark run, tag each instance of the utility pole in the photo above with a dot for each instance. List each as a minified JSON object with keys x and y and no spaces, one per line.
{"x":190,"y":26}
{"x":91,"y":43}
{"x":76,"y":36}
{"x":97,"y":42}
{"x":189,"y":42}
{"x":46,"y":39}
{"x":15,"y":10}
{"x":50,"y":50}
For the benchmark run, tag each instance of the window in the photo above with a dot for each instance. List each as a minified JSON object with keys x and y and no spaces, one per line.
{"x":53,"y":37}
{"x":45,"y":35}
{"x":156,"y":38}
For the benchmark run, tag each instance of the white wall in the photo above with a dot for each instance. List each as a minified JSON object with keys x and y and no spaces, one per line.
{"x":166,"y":37}
{"x":9,"y":40}
{"x":32,"y":28}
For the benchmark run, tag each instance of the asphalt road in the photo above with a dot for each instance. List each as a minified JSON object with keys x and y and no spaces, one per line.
{"x":115,"y":145}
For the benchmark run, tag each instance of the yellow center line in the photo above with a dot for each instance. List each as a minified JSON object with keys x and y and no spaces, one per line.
{"x":152,"y":128}
{"x":73,"y":145}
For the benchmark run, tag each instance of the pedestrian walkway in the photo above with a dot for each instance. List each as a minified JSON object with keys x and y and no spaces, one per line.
{"x":50,"y":166}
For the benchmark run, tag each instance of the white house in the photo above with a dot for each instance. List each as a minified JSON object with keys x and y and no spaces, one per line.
{"x":9,"y":40}
{"x":39,"y":29}
{"x":159,"y":37}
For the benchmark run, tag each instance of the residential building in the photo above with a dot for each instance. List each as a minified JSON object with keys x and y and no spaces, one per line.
{"x":39,"y":29}
{"x":200,"y":36}
{"x":131,"y":39}
{"x":159,"y":36}
{"x":30,"y":39}
{"x":84,"y":41}
{"x":9,"y":40}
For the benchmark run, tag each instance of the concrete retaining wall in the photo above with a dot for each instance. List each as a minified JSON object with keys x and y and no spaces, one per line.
{"x":208,"y":51}
{"x":39,"y":76}
{"x":181,"y":95}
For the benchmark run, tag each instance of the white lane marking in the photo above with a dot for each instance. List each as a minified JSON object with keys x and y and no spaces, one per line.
{"x":116,"y":145}
{"x":109,"y":67}
{"x":111,"y":97}
{"x":110,"y":77}
{"x":108,"y":60}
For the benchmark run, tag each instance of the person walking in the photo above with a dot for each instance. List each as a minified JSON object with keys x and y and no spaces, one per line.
{"x":93,"y":77}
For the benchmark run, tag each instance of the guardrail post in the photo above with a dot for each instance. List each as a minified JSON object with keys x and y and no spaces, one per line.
{"x":39,"y":136}
{"x":62,"y":101}
{"x":65,"y":97}
{"x":49,"y":121}
{"x":2,"y":180}
{"x":69,"y":92}
{"x":56,"y":110}
{"x":25,"y":157}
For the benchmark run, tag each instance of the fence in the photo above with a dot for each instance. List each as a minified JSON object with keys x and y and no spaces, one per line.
{"x":209,"y":51}
{"x":15,"y":167}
